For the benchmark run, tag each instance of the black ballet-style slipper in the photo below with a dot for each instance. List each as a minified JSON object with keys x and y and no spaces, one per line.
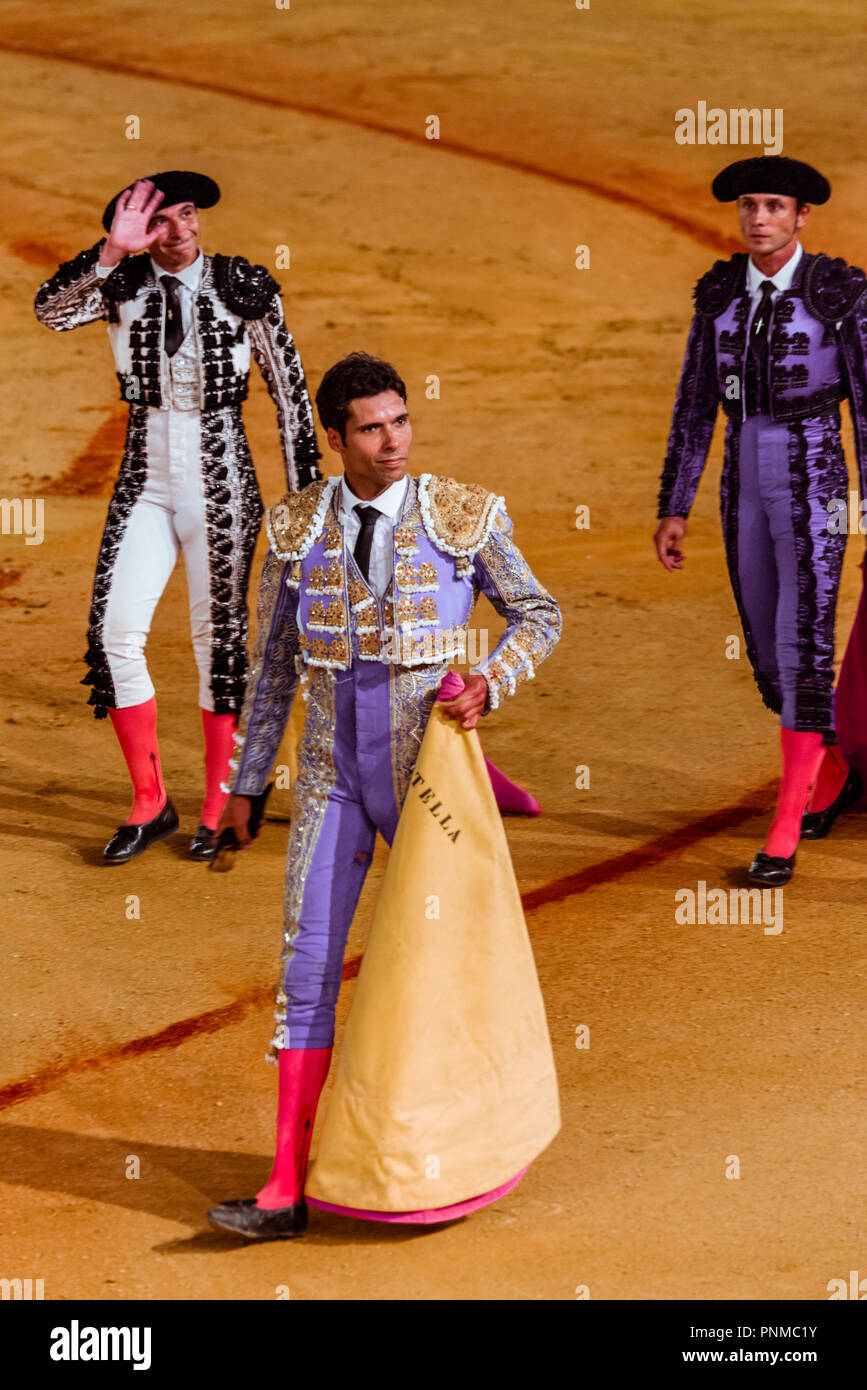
{"x":243,"y":1218}
{"x":770,"y":871}
{"x":203,"y":843}
{"x":816,"y":824}
{"x":131,"y":840}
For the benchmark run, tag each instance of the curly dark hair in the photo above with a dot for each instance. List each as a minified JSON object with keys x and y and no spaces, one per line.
{"x":359,"y":374}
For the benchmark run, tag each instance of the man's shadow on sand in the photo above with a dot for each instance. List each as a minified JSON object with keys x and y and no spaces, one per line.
{"x":175,"y":1184}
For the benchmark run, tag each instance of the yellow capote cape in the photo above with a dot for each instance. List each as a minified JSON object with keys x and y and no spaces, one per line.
{"x":445,"y":1086}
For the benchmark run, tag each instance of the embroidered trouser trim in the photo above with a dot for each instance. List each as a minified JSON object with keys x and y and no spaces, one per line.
{"x":361,"y":735}
{"x":191,"y":499}
{"x":784,"y":563}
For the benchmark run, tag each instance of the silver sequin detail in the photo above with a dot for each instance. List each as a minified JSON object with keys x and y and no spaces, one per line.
{"x":317,"y":776}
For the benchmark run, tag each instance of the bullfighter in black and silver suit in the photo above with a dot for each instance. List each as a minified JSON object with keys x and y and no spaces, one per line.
{"x":182,"y":326}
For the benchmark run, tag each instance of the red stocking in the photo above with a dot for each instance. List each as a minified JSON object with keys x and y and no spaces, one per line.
{"x":136,"y":729}
{"x":802,"y":757}
{"x":219,"y":730}
{"x":832,"y":775}
{"x":302,"y":1073}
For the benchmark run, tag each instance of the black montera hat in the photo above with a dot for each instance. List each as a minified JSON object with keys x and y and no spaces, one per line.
{"x":178,"y":186}
{"x":771,"y":174}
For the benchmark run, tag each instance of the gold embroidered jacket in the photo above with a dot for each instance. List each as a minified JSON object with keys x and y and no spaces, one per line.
{"x":452,"y":541}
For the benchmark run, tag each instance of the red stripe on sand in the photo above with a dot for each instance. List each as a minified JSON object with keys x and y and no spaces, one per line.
{"x":172,"y":1036}
{"x":93,"y":472}
{"x":654,"y":852}
{"x":214,"y":1020}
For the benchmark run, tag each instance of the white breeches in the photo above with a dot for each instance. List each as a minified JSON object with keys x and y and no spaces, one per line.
{"x":168,"y":517}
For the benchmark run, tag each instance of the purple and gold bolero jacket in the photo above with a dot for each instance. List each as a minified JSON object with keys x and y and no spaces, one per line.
{"x":817,"y":357}
{"x":452,"y":541}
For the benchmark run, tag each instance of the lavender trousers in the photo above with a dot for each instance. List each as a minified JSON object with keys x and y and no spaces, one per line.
{"x":357,"y":750}
{"x":784,"y":564}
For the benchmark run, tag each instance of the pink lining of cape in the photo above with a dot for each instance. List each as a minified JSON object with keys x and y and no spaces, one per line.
{"x":432,"y":1214}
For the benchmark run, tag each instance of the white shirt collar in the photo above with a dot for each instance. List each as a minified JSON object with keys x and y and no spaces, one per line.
{"x":190,"y":276}
{"x":783,"y":278}
{"x":388,"y":502}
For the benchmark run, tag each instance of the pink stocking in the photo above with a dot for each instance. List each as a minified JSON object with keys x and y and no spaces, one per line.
{"x":802,"y":757}
{"x":219,"y":730}
{"x":302,"y":1073}
{"x":832,"y":775}
{"x":136,"y":729}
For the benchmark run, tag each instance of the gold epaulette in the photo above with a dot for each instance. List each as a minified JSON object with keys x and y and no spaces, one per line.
{"x":296,"y":520}
{"x":457,"y":516}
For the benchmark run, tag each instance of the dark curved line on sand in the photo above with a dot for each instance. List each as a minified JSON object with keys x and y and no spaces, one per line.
{"x":697,"y":231}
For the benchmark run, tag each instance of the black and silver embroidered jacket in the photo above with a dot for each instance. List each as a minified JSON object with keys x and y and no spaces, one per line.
{"x":237,"y":310}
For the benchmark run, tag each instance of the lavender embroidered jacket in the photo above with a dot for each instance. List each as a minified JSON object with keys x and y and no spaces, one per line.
{"x":237,"y":312}
{"x":452,"y":541}
{"x":817,"y":357}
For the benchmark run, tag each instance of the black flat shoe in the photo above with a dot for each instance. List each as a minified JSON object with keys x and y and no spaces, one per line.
{"x":130,"y":840}
{"x":244,"y":1218}
{"x":816,"y":824}
{"x":203,"y":844}
{"x":769,"y":871}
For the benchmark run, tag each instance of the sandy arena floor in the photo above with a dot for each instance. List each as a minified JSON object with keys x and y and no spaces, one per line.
{"x":456,"y":258}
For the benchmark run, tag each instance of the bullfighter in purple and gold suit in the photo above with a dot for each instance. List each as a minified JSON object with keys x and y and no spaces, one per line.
{"x":779,"y":339}
{"x":365,"y":597}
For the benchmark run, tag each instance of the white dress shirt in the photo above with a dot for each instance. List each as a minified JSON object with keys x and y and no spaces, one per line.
{"x":781,"y":281}
{"x":190,"y":278}
{"x":389,"y":504}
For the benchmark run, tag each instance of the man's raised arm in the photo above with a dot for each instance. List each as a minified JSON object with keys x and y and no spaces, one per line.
{"x":72,"y":296}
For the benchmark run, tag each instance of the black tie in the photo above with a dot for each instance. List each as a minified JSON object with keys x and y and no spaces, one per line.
{"x":369,"y":517}
{"x":757,"y":362}
{"x":759,"y":329}
{"x":174,"y":326}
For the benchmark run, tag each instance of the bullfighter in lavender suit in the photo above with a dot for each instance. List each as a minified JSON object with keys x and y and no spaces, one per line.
{"x":365,"y":596}
{"x":779,"y":339}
